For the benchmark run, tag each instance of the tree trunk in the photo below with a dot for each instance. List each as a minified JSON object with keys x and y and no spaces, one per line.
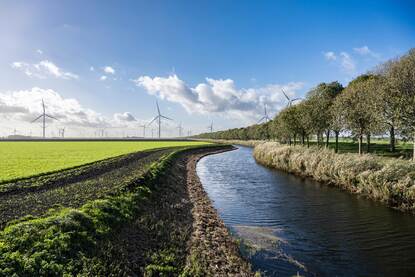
{"x":302,"y":138}
{"x":360,"y":144}
{"x":295,"y":138}
{"x":392,"y":139}
{"x":308,"y":141}
{"x":336,"y":149}
{"x":327,"y":138}
{"x":368,"y":143}
{"x":413,"y":154}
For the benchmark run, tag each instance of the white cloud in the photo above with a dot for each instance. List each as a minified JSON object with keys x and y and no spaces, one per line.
{"x":43,"y":69}
{"x":25,"y":105}
{"x":109,"y":70}
{"x":330,"y":56}
{"x":347,"y":63}
{"x":344,"y":60}
{"x":103,"y":78}
{"x":124,"y":117}
{"x":39,"y":51}
{"x":219,"y":96}
{"x":19,"y":108}
{"x":91,"y":68}
{"x":365,"y":51}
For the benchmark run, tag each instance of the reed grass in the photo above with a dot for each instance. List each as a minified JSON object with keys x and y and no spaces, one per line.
{"x":387,"y":180}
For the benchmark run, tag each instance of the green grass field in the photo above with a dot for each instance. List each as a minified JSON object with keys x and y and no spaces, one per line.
{"x":24,"y":159}
{"x":377,"y":146}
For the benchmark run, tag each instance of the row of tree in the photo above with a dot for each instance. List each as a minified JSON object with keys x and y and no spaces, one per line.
{"x":377,"y":103}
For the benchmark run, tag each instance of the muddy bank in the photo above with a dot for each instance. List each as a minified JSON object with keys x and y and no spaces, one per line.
{"x":177,"y":231}
{"x":213,"y":252}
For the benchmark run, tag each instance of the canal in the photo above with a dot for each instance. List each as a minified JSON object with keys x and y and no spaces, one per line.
{"x":295,"y":225}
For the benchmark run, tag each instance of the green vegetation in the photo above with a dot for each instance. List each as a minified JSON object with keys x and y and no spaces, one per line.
{"x":388,"y":180}
{"x":139,"y":223}
{"x":377,"y":104}
{"x":25,"y":159}
{"x":73,"y":188}
{"x":65,"y":242}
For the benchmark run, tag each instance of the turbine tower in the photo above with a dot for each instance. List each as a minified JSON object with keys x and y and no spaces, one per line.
{"x":210,"y":127}
{"x":265,"y":117}
{"x":290,"y":101}
{"x":43,"y":116}
{"x":144,"y":130}
{"x":158,"y":117}
{"x":180,"y":128}
{"x":62,"y":132}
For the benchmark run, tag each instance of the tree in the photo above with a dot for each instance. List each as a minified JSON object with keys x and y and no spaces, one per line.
{"x":389,"y":101}
{"x":337,"y":120}
{"x":359,"y":107}
{"x":401,"y":86}
{"x":319,"y":102}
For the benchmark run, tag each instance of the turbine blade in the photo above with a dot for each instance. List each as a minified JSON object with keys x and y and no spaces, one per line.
{"x":51,"y":117}
{"x":158,"y":109}
{"x":165,"y":117}
{"x":286,"y":96}
{"x":153,"y":120}
{"x":261,"y":120}
{"x":37,"y":118}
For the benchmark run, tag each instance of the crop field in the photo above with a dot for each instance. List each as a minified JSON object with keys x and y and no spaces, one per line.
{"x":25,"y":159}
{"x":75,"y":217}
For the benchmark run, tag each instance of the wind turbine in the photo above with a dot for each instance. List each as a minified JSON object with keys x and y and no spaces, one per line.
{"x":210,"y":127}
{"x":144,"y":130}
{"x":43,"y":116}
{"x":290,"y":101}
{"x":62,"y":132}
{"x":158,"y":117}
{"x":265,"y":117}
{"x":180,"y":129}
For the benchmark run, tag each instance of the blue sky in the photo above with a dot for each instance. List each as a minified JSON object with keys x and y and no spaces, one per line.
{"x":203,"y":60}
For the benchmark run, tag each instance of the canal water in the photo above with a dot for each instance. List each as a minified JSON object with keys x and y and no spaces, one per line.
{"x":295,"y":226}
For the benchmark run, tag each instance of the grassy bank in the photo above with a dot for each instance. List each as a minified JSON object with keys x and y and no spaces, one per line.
{"x":142,"y":228}
{"x":64,"y":242}
{"x":388,"y":180}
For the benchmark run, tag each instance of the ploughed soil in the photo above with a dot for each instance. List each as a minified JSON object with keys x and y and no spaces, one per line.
{"x":177,"y":231}
{"x":73,"y":187}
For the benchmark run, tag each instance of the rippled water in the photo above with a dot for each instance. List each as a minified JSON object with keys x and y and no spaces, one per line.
{"x":302,"y":226}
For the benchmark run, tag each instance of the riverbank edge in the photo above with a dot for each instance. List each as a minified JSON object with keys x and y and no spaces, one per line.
{"x":213,"y":250}
{"x":390,"y":181}
{"x":80,"y":230}
{"x":247,"y":143}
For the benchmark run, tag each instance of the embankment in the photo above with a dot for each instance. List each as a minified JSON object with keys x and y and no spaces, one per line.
{"x":160,"y":223}
{"x":391,"y":181}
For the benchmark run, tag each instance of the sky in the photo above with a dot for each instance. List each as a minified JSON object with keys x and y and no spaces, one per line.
{"x":100,"y":66}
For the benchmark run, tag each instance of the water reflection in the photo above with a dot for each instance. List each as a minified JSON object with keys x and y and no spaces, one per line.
{"x":320,"y":230}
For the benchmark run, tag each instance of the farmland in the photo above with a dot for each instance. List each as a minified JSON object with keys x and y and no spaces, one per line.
{"x":80,"y":219}
{"x":24,"y":159}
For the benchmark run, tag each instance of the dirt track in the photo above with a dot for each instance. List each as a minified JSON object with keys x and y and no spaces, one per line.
{"x":177,"y":227}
